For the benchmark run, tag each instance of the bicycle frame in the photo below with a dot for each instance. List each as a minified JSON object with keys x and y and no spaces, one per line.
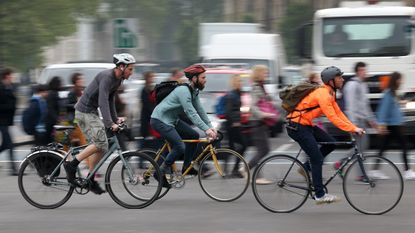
{"x":209,"y":149}
{"x":114,"y":147}
{"x":356,"y":154}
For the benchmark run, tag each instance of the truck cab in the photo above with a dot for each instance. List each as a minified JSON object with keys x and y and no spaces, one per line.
{"x":381,"y":35}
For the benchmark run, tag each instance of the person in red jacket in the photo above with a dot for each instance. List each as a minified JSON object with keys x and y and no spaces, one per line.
{"x":301,"y":128}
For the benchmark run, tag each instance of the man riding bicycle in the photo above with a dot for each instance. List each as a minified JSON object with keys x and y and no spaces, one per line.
{"x":300,"y":127}
{"x":165,"y":119}
{"x":99,"y":94}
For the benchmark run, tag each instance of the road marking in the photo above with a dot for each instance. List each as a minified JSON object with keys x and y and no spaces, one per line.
{"x":283,"y":147}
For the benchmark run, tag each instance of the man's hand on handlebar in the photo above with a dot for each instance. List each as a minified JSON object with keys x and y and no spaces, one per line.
{"x":120,"y":120}
{"x":115,"y":127}
{"x":359,"y":131}
{"x":211,"y":133}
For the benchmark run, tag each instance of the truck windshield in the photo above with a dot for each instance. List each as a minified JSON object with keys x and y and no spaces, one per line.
{"x":366,"y":36}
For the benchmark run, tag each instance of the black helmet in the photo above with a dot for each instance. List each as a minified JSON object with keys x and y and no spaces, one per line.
{"x":330,"y":73}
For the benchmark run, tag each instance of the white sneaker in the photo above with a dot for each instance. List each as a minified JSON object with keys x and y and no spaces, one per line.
{"x":377,"y":175}
{"x":327,"y":199}
{"x":409,"y":175}
{"x":243,"y":172}
{"x":263,"y":181}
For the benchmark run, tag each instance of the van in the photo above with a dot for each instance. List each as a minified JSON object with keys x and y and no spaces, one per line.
{"x":250,"y":48}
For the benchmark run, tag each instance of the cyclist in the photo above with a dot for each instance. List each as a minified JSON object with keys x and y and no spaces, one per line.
{"x":99,"y":94}
{"x":301,"y":129}
{"x":165,"y":119}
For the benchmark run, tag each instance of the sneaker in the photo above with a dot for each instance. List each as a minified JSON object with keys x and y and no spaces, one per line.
{"x":362,"y":180}
{"x":263,"y":181}
{"x":377,"y":174}
{"x":243,"y":172}
{"x":70,"y":172}
{"x":327,"y":199}
{"x":409,"y":175}
{"x":95,"y":188}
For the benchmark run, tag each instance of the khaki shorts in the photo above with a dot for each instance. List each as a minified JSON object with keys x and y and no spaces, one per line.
{"x":93,"y":128}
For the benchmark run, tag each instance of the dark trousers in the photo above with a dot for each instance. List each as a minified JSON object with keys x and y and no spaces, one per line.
{"x":260,"y":141}
{"x":174,"y":136}
{"x":395,"y":133}
{"x":237,"y":142}
{"x":308,"y":137}
{"x":7,"y":144}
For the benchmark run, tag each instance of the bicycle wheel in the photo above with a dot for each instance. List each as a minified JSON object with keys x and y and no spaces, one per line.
{"x":288,"y":188}
{"x":138,"y":190}
{"x":373,"y":196}
{"x":153,"y":155}
{"x":217,"y":182}
{"x":37,"y":186}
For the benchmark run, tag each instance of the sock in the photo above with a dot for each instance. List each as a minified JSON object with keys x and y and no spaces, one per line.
{"x":74,"y":163}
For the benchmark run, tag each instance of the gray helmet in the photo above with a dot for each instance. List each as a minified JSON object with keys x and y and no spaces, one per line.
{"x":330,"y":73}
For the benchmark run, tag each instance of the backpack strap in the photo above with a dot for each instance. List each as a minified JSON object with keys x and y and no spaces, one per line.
{"x":302,"y":111}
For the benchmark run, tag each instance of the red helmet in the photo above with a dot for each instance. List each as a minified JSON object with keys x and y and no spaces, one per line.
{"x":193,"y":70}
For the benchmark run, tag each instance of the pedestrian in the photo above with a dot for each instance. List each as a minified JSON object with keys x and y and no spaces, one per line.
{"x":233,"y":126}
{"x":357,"y":107}
{"x":150,"y":136}
{"x":176,"y":75}
{"x":260,"y":129}
{"x":7,"y":111}
{"x":77,"y":138}
{"x":390,"y":118}
{"x":54,"y":107}
{"x":39,"y":104}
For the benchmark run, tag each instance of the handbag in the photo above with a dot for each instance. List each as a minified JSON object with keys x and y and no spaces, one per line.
{"x":266,"y":106}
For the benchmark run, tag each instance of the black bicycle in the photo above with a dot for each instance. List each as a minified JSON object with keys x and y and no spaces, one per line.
{"x":292,"y":186}
{"x":43,"y":181}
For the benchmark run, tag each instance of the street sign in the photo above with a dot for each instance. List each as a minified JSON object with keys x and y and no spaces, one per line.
{"x":125,"y":33}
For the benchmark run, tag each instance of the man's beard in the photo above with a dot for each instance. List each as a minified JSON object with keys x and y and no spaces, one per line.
{"x":199,"y":86}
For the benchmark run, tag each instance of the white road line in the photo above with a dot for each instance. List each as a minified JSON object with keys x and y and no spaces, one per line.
{"x":283,"y":147}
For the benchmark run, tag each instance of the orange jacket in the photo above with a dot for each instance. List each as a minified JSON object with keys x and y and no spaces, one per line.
{"x":323,"y":97}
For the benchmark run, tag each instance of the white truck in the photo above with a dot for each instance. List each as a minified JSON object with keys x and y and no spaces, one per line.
{"x":208,"y":30}
{"x":381,"y":35}
{"x":250,"y":48}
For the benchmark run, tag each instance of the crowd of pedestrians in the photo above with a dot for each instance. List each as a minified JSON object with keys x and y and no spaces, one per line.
{"x":51,"y":110}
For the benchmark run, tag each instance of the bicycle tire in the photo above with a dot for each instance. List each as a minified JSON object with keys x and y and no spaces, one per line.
{"x":153,"y":154}
{"x":34,"y":185}
{"x":223,"y":187}
{"x":284,"y":172}
{"x":378,"y":196}
{"x":136,"y":193}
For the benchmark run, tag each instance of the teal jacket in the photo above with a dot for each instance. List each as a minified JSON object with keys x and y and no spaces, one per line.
{"x":178,"y":101}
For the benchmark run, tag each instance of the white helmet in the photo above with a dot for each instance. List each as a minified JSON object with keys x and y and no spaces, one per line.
{"x":123,"y":58}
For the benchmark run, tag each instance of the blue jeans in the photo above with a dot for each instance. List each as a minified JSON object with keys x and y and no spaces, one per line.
{"x":174,"y":135}
{"x":308,"y":137}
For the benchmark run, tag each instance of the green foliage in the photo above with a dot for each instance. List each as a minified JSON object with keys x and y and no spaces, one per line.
{"x":187,"y":38}
{"x":28,"y":26}
{"x":297,"y":14}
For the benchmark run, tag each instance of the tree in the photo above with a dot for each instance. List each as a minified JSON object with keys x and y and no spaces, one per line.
{"x":28,"y":26}
{"x":296,"y":15}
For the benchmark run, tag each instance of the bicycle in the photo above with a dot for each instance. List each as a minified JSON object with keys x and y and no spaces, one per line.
{"x":43,"y":182}
{"x":218,"y":185}
{"x":292,"y":185}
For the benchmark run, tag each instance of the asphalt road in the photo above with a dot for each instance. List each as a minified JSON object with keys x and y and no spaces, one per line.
{"x":190,"y":210}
